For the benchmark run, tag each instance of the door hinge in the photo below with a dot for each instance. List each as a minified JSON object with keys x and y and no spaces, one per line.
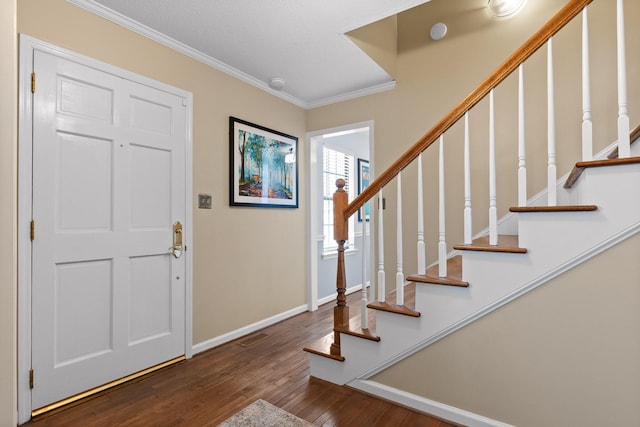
{"x":33,"y":82}
{"x":31,"y":378}
{"x":32,"y":231}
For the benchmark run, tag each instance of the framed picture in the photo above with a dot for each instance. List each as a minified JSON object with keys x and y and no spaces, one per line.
{"x":263,"y":166}
{"x":364,"y":177}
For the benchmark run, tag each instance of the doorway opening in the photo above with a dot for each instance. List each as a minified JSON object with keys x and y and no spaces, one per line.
{"x":344,"y":152}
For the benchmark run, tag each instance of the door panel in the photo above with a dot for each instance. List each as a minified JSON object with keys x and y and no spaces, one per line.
{"x":108,"y":184}
{"x":150,"y":188}
{"x":83,"y":330}
{"x":84,"y":175}
{"x":85,"y":100}
{"x":150,"y":298}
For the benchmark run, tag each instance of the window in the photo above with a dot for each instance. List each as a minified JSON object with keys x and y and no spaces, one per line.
{"x":336,"y":164}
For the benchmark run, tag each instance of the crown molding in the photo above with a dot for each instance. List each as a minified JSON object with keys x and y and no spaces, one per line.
{"x":352,"y":95}
{"x":130,"y":24}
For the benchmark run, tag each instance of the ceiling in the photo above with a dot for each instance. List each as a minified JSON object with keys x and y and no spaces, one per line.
{"x":300,"y":41}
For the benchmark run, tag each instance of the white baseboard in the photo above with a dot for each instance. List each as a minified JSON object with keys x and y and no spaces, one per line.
{"x":230,"y":336}
{"x":333,"y":297}
{"x":437,"y":409}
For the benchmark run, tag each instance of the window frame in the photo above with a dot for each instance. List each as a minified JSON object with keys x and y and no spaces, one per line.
{"x":330,"y":250}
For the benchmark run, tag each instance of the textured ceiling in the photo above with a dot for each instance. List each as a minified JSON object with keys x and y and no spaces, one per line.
{"x":300,"y":41}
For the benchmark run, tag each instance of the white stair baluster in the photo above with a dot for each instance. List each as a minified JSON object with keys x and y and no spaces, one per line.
{"x":493,"y":209}
{"x":624,"y":143}
{"x":381,"y":276}
{"x":422,"y":267}
{"x":399,"y":261}
{"x":442,"y":244}
{"x":468,"y":226}
{"x":587,"y":125}
{"x":364,"y":300}
{"x":551,"y":130}
{"x":522,"y":157}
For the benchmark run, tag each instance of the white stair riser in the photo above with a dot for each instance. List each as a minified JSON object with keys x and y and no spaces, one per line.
{"x":617,"y":189}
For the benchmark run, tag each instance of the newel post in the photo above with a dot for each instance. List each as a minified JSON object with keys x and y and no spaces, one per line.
{"x":340,"y":234}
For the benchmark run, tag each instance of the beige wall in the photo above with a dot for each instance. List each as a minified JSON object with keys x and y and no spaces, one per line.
{"x":566,"y":354}
{"x":249,"y":264}
{"x":8,"y":191}
{"x":380,"y":41}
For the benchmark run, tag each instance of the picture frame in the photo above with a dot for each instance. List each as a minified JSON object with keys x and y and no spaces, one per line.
{"x":364,"y":178}
{"x":261,"y":158}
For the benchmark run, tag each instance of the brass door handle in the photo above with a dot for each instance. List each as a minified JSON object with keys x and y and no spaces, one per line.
{"x":177,"y":247}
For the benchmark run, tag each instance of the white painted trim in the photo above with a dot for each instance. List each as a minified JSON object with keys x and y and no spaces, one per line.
{"x":28,"y":45}
{"x":24,"y":217}
{"x":188,"y":321}
{"x":245,"y":330}
{"x":541,"y":280}
{"x":313,"y":206}
{"x":327,"y":299}
{"x":333,"y":297}
{"x":143,"y":30}
{"x":351,"y":95}
{"x":313,"y":139}
{"x":440,"y":410}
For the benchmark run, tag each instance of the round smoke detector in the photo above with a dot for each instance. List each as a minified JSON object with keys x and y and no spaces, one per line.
{"x":438,"y":31}
{"x":276,"y":83}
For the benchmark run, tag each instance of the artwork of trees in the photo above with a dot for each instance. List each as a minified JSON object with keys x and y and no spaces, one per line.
{"x":264,"y":170}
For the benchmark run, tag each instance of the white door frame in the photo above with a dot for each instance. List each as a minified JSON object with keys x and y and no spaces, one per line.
{"x":313,"y":139}
{"x":27,"y":47}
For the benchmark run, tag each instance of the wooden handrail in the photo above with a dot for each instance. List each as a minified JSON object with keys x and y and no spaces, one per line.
{"x":535,"y":42}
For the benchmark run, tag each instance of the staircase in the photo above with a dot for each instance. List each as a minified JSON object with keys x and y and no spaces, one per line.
{"x":483,"y":277}
{"x":576,"y":217}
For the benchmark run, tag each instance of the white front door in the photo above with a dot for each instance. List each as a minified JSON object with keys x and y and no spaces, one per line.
{"x":108,"y":296}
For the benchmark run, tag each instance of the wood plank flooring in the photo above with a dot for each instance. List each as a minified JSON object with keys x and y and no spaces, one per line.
{"x":215,"y":384}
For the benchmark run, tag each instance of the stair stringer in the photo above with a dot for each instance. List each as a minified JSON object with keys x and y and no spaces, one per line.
{"x":498,"y":278}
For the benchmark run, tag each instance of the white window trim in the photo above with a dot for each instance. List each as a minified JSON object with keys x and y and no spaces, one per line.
{"x":332,"y":252}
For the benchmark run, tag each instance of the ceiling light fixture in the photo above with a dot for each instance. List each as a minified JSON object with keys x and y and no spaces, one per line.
{"x":502,"y":8}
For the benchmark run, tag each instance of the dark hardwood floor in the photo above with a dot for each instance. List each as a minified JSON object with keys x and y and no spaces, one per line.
{"x":213,"y":385}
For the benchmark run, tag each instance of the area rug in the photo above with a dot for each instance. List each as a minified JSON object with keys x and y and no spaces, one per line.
{"x":263,"y":414}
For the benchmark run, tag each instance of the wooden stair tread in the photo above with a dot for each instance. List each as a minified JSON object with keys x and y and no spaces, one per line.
{"x":322,"y":347}
{"x":394,"y":308}
{"x":608,"y":162}
{"x":506,"y":243}
{"x":569,"y":208}
{"x":454,"y":274}
{"x":580,"y":166}
{"x":355,"y":328}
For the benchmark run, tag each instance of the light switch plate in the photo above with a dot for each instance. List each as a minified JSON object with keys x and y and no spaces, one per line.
{"x":204,"y":201}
